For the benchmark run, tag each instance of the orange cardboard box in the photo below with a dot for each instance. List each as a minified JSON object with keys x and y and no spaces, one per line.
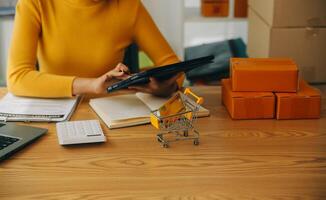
{"x":247,"y":105}
{"x":305,"y":104}
{"x":241,"y":8}
{"x":215,"y":8}
{"x":264,"y":75}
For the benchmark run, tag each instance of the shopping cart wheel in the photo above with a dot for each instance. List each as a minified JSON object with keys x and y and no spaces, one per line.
{"x":185,"y":133}
{"x":196,"y":142}
{"x":165,"y":145}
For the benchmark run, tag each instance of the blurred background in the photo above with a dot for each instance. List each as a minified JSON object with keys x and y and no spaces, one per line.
{"x":225,"y":28}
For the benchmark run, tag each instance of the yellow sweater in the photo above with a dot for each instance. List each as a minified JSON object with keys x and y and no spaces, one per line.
{"x":82,"y":38}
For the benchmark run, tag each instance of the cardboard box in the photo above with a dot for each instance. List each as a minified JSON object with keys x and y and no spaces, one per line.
{"x":304,"y":45}
{"x":306,"y":104}
{"x":264,"y":75}
{"x":241,"y":8}
{"x":215,"y":8}
{"x":247,"y":105}
{"x":291,"y":13}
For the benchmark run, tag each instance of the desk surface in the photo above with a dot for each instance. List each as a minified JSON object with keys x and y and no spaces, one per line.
{"x":260,"y":159}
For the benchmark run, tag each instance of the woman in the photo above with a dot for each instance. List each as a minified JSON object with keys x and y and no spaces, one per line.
{"x":79,"y":45}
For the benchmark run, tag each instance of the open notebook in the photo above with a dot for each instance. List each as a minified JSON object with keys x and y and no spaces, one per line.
{"x":13,"y":108}
{"x":130,"y":110}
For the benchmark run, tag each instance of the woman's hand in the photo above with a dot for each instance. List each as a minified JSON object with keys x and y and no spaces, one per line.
{"x":100,"y":84}
{"x":158,"y":88}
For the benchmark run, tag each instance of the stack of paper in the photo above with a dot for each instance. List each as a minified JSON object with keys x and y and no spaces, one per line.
{"x":13,"y":108}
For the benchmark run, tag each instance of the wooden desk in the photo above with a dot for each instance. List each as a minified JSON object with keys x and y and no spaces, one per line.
{"x":264,"y":159}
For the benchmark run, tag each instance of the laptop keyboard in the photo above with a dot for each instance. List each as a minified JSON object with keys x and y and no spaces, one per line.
{"x":6,"y":141}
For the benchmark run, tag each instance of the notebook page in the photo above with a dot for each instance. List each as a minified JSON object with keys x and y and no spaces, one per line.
{"x":122,"y":107}
{"x":11,"y":104}
{"x":154,"y":103}
{"x":151,"y":101}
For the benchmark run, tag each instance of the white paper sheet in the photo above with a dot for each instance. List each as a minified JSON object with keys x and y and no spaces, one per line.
{"x":14,"y":105}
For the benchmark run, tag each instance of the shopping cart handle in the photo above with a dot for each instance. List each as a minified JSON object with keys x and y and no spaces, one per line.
{"x":199,"y":100}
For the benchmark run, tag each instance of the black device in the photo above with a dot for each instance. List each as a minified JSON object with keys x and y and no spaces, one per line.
{"x":161,"y":73}
{"x":14,"y":137}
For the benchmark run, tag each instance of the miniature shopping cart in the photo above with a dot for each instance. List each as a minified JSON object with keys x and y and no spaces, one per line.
{"x":175,"y":119}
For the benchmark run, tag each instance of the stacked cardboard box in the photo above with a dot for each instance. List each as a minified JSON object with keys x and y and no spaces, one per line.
{"x":241,"y":8}
{"x":305,"y":104}
{"x":268,"y":88}
{"x":290,"y":28}
{"x":247,"y":105}
{"x":215,"y":8}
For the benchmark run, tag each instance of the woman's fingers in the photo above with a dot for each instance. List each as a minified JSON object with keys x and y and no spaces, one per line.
{"x":144,"y":89}
{"x":153,"y":80}
{"x":168,"y":81}
{"x":111,"y":74}
{"x":121,"y":72}
{"x":116,"y":73}
{"x":157,"y":87}
{"x":173,"y":79}
{"x":122,"y":67}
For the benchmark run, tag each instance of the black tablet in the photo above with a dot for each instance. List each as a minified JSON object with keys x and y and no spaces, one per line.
{"x":161,"y":73}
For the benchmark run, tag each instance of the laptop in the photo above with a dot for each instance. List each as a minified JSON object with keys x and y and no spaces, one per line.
{"x":14,"y":137}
